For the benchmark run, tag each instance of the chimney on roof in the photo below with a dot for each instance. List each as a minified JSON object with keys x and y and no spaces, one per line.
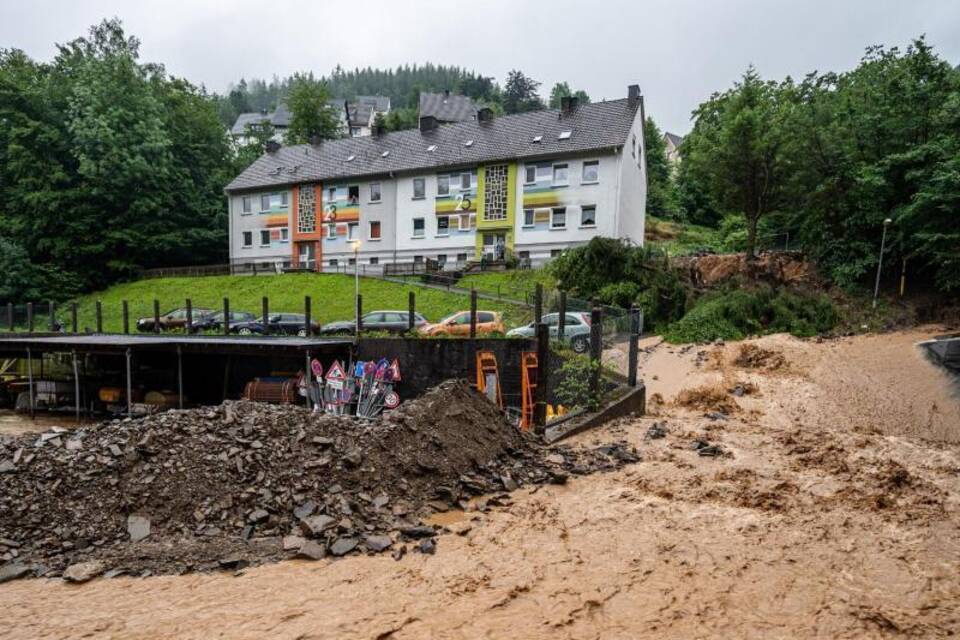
{"x":428,"y":123}
{"x":315,"y":140}
{"x":485,"y":114}
{"x":446,"y":93}
{"x":273,"y":146}
{"x":633,"y":93}
{"x":568,"y":104}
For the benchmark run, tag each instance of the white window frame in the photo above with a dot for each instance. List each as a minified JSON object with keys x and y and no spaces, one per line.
{"x":370,"y":235}
{"x":469,"y":176}
{"x":583,"y":171}
{"x":353,"y":231}
{"x":246,"y":206}
{"x":331,"y":231}
{"x":423,"y":228}
{"x":355,"y":132}
{"x":566,"y":167}
{"x":284,"y":234}
{"x":553,"y":214}
{"x":445,"y":178}
{"x":243,"y":239}
{"x":588,"y":226}
{"x":374,"y":260}
{"x":423,"y":188}
{"x":379,"y":193}
{"x":444,"y":233}
{"x":533,"y":218}
{"x":262,"y":197}
{"x":471,"y":222}
{"x":526,"y":174}
{"x":262,"y":243}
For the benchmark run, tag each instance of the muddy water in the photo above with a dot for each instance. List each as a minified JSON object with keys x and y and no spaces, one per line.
{"x":13,"y":423}
{"x":810,"y":525}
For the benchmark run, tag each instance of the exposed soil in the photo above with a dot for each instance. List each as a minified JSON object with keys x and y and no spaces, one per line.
{"x":780,"y":267}
{"x":832,"y":510}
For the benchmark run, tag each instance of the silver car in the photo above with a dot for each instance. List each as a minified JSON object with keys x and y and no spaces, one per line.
{"x":576,"y":330}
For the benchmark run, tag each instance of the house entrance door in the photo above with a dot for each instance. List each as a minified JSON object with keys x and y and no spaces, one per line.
{"x":307,"y":255}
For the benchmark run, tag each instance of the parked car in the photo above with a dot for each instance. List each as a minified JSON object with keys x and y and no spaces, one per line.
{"x":175,"y":319}
{"x":392,"y":321}
{"x":458,"y":324}
{"x":214,"y":321}
{"x":576,"y":329}
{"x":291,"y":324}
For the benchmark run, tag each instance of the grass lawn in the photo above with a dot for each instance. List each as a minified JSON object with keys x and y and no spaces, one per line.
{"x":331,"y":298}
{"x":682,"y":239}
{"x":509,"y":284}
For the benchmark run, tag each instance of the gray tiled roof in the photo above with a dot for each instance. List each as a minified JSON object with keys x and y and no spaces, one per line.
{"x":244,"y":119}
{"x":379,"y":103}
{"x":674,"y":138}
{"x":601,"y":125}
{"x":281,"y":117}
{"x":360,"y":114}
{"x":447,"y":107}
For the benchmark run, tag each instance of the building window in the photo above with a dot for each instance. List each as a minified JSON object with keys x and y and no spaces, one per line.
{"x":353,"y":194}
{"x":332,"y":231}
{"x":633,"y":146}
{"x":530,"y":174}
{"x":443,"y":185}
{"x":466,"y":181}
{"x":555,"y":253}
{"x":247,"y":204}
{"x":353,"y":231}
{"x":442,"y":259}
{"x":331,"y":194}
{"x":333,"y":262}
{"x":528,"y":217}
{"x":418,"y":227}
{"x":417,"y":259}
{"x":588,"y":216}
{"x":248,"y":239}
{"x":591,"y":172}
{"x":560,"y":177}
{"x":285,"y":234}
{"x":461,"y":257}
{"x":524,"y":255}
{"x":265,"y":237}
{"x":467,"y":222}
{"x":352,"y":261}
{"x":374,"y":192}
{"x":270,"y":201}
{"x":558,"y":218}
{"x":443,"y":225}
{"x":355,"y":132}
{"x":374,"y":229}
{"x":419,"y":188}
{"x":374,"y":260}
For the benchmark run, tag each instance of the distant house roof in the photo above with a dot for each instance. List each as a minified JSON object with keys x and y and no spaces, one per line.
{"x":447,"y":107}
{"x":244,"y":120}
{"x":282,"y":116}
{"x":360,"y":114}
{"x":674,"y":139}
{"x":536,"y":134}
{"x":379,"y":103}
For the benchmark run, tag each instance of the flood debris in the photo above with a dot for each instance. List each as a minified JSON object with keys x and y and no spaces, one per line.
{"x":222,"y":488}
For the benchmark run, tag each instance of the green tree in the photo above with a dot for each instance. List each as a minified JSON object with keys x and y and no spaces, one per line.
{"x":660,"y":191}
{"x":520,"y":93}
{"x":562,"y":90}
{"x":735,"y":150}
{"x":311,"y":114}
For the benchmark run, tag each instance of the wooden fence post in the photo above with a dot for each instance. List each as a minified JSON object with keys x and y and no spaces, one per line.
{"x":412,"y":308}
{"x":99,"y":316}
{"x":156,"y":316}
{"x":538,"y":303}
{"x":73,"y":317}
{"x":596,"y":350}
{"x":543,"y":367}
{"x":226,"y":316}
{"x":562,"y":319}
{"x":125,"y":309}
{"x":266,"y":315}
{"x":30,"y":317}
{"x":189,"y":315}
{"x":306,"y":316}
{"x":634,"y":352}
{"x":473,"y":313}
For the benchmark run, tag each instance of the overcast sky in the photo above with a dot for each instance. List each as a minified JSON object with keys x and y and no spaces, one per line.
{"x":678,"y":51}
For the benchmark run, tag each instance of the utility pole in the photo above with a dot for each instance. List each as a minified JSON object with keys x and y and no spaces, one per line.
{"x":883,"y":243}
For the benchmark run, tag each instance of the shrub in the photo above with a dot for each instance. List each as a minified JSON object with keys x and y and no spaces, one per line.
{"x":737,"y":313}
{"x":573,"y":383}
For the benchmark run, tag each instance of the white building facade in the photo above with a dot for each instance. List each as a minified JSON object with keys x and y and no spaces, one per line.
{"x":527,"y":186}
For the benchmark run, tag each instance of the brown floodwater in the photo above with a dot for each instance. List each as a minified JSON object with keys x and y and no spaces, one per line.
{"x":13,"y":423}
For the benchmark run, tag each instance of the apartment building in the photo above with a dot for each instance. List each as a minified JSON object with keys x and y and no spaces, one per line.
{"x":528,"y":185}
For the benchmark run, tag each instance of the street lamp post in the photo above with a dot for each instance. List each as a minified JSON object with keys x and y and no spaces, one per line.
{"x":356,"y":287}
{"x":883,"y":243}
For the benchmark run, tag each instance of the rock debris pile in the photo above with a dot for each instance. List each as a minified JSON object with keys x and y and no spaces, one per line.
{"x":244,"y":483}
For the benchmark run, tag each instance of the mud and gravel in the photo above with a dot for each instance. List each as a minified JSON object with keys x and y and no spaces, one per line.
{"x":243,"y":483}
{"x":833,"y":513}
